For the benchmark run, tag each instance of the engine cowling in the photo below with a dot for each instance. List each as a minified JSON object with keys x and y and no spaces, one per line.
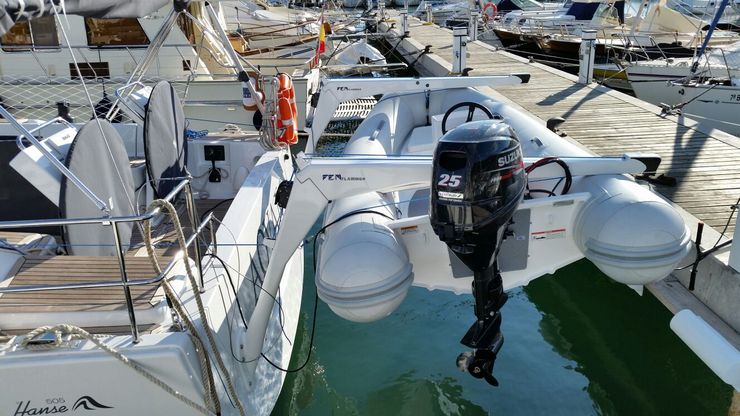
{"x":478,"y":181}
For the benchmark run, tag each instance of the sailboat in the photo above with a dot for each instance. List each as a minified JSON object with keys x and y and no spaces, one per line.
{"x":441,"y":186}
{"x":706,"y":88}
{"x":132,"y":259}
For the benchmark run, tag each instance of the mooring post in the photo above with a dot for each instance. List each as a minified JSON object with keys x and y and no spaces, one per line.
{"x":459,"y":42}
{"x":586,"y":56}
{"x":430,"y":16}
{"x":473,"y":26}
{"x":405,"y":22}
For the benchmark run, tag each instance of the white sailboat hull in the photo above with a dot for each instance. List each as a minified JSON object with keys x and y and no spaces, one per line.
{"x":716,"y":106}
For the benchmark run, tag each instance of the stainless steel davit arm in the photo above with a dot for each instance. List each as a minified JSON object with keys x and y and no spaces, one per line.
{"x":319,"y":181}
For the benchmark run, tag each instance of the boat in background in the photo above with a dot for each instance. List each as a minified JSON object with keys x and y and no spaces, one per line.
{"x":653,"y":31}
{"x":255,"y":27}
{"x":706,"y":88}
{"x":190,"y":48}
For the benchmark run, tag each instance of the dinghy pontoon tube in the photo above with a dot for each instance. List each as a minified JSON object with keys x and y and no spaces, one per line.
{"x":355,"y":283}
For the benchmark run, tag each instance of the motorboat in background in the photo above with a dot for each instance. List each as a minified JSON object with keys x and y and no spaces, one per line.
{"x":654,"y":30}
{"x":528,"y":21}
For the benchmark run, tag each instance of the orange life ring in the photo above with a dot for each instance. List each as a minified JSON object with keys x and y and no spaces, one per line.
{"x":287,"y":121}
{"x":486,"y":7}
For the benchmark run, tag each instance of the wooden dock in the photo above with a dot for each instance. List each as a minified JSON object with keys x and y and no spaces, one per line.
{"x":703,"y":161}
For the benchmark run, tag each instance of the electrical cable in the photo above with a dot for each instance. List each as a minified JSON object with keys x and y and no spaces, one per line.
{"x":231,"y":283}
{"x":701,"y":255}
{"x":316,"y":296}
{"x":733,"y":208}
{"x":213,"y":208}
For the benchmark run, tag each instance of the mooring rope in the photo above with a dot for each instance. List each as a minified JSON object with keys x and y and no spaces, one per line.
{"x":170,"y":210}
{"x":79,"y":333}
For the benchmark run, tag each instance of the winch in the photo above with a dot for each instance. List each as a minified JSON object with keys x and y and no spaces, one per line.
{"x":478,"y":180}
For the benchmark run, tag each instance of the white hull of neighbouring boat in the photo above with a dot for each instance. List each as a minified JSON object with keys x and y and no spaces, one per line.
{"x":715,"y":106}
{"x":80,"y":374}
{"x":611,"y":220}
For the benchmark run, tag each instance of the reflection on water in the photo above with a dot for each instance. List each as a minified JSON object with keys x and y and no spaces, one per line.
{"x":576,"y":344}
{"x":409,"y":395}
{"x":624,"y":346}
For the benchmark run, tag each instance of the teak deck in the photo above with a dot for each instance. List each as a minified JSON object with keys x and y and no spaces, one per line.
{"x":81,"y":269}
{"x":704,"y":162}
{"x":78,"y":269}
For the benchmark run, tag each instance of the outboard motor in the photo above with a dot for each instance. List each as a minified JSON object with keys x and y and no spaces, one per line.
{"x":478,"y":181}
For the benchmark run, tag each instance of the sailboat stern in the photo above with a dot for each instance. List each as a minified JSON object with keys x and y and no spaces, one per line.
{"x":73,"y":375}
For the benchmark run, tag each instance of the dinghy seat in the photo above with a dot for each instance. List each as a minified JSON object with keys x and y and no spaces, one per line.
{"x":99,"y":308}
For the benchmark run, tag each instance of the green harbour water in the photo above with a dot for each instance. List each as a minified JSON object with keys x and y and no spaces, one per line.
{"x":576,"y":344}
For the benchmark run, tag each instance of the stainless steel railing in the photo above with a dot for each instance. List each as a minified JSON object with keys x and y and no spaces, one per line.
{"x":113,"y":222}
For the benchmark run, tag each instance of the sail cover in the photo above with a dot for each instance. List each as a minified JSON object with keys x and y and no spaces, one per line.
{"x":14,"y":10}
